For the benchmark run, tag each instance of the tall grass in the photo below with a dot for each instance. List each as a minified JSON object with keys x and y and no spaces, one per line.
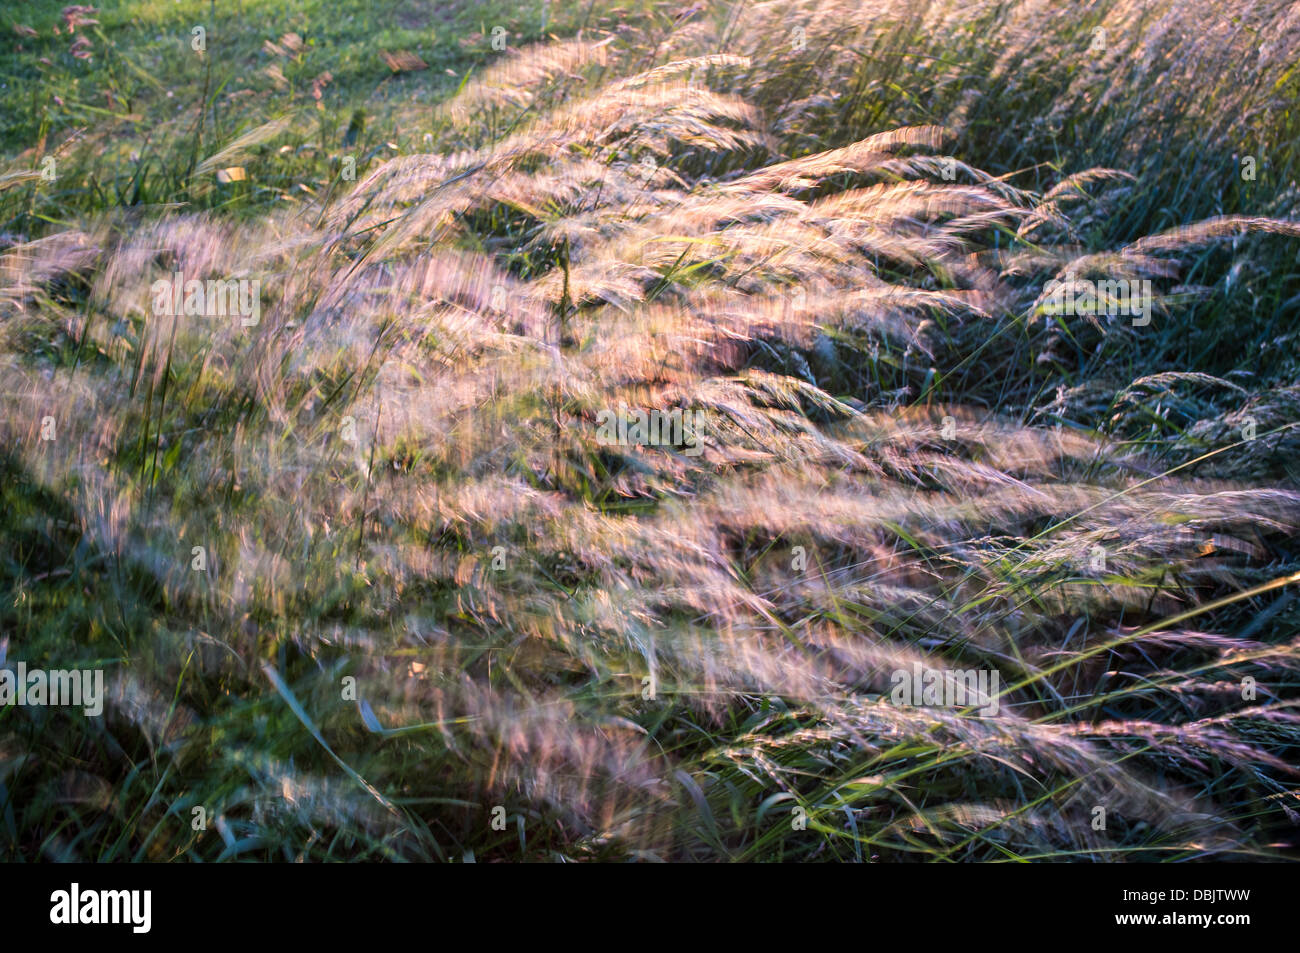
{"x":431,"y":590}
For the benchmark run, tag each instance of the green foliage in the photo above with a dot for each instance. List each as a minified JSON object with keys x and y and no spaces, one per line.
{"x":430,"y":590}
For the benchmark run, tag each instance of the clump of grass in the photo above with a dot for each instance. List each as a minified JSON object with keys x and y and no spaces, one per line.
{"x":430,"y":590}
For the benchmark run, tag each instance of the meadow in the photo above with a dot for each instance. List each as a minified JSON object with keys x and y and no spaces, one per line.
{"x":313,"y":324}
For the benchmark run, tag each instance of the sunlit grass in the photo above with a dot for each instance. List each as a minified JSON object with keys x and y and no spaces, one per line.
{"x":430,"y":591}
